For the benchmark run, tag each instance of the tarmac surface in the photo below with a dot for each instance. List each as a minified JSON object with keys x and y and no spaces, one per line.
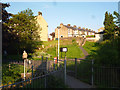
{"x":75,"y":83}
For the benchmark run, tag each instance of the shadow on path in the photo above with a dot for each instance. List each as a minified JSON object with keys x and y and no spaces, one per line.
{"x":75,"y":83}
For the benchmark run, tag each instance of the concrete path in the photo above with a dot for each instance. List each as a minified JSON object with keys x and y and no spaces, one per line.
{"x":85,"y":52}
{"x":75,"y":83}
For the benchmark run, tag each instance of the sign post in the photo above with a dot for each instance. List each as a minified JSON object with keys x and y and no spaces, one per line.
{"x":64,"y":49}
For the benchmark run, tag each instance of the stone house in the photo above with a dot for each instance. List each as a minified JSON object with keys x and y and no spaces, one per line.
{"x":43,"y":30}
{"x":72,"y":31}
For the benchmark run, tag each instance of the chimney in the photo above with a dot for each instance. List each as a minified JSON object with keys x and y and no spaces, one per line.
{"x":74,"y":26}
{"x":40,"y":13}
{"x":86,"y":28}
{"x":79,"y":27}
{"x":61,"y":24}
{"x":68,"y":24}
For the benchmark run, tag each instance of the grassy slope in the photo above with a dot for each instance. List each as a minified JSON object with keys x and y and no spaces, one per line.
{"x":73,"y":52}
{"x":73,"y":49}
{"x":90,"y":46}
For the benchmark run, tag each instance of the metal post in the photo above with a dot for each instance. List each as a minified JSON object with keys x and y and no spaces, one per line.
{"x":58,"y":47}
{"x":65,"y":68}
{"x":92,"y":73}
{"x":24,"y":69}
{"x":42,"y":59}
{"x":54,"y":64}
{"x":32,"y":72}
{"x":76,"y":67}
{"x":9,"y":67}
{"x":46,"y":64}
{"x":45,"y":81}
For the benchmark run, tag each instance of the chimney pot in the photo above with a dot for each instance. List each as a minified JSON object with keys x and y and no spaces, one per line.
{"x":68,"y":25}
{"x":40,"y":13}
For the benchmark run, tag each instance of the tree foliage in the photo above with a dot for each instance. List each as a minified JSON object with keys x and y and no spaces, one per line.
{"x":109,"y":24}
{"x":53,"y":34}
{"x":22,"y":32}
{"x":24,"y":26}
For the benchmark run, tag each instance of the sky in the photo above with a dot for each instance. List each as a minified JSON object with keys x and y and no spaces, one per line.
{"x":82,"y":14}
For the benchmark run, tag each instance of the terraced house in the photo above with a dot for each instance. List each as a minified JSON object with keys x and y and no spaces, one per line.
{"x":72,"y":31}
{"x":43,"y":30}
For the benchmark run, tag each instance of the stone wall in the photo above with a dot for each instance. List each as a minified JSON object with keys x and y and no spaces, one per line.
{"x":79,"y":40}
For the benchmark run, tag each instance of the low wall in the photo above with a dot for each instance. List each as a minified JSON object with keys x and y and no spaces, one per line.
{"x":91,"y":39}
{"x":79,"y":40}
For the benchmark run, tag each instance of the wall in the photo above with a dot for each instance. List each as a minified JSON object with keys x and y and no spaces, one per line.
{"x":44,"y":26}
{"x":98,"y":37}
{"x":62,"y":31}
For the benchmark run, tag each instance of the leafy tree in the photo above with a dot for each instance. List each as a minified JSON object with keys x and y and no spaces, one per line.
{"x":109,"y":24}
{"x":25,"y":29}
{"x":53,"y":34}
{"x":6,"y":36}
{"x":24,"y":25}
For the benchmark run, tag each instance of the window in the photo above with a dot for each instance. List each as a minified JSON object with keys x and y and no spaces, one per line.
{"x":68,"y":30}
{"x":61,"y":36}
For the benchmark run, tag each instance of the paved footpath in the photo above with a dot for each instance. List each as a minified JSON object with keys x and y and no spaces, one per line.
{"x":75,"y":83}
{"x":85,"y":52}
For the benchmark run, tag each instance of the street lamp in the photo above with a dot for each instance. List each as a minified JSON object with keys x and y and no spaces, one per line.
{"x":24,"y":57}
{"x":58,"y":43}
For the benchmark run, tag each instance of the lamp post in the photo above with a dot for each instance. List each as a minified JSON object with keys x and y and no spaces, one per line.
{"x":24,"y":57}
{"x":58,"y":43}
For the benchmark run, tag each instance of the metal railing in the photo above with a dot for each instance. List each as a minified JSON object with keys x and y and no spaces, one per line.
{"x":44,"y":76}
{"x":95,"y":75}
{"x":43,"y":81}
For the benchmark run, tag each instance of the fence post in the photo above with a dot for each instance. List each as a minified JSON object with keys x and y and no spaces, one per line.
{"x":76,"y":67}
{"x":9,"y":67}
{"x":54,"y":65}
{"x":65,"y":69}
{"x":57,"y":63}
{"x":46,"y":64}
{"x":92,"y":73}
{"x":42,"y":59}
{"x":45,"y":80}
{"x":32,"y":72}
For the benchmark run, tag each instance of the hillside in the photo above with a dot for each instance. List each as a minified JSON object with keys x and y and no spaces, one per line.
{"x":50,"y":50}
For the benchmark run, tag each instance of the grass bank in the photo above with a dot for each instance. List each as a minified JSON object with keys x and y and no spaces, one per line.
{"x":50,"y":50}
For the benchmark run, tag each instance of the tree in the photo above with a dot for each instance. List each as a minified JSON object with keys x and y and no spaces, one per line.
{"x":53,"y":34}
{"x":24,"y":26}
{"x":117,"y":21}
{"x":6,"y":36}
{"x":109,"y":25}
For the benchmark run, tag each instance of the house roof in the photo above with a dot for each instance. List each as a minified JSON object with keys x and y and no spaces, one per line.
{"x":102,"y":32}
{"x":80,"y":29}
